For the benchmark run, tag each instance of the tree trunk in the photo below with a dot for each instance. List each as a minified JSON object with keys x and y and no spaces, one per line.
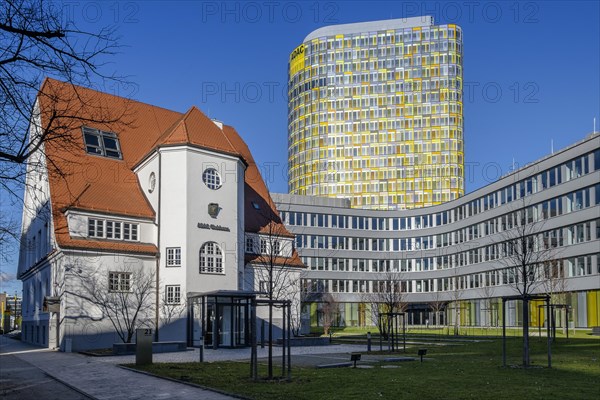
{"x":457,"y":320}
{"x":525,"y":332}
{"x":270,"y":341}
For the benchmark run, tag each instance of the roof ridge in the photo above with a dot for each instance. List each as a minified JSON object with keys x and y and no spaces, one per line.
{"x":169,"y":131}
{"x":227,"y":138}
{"x":50,"y":80}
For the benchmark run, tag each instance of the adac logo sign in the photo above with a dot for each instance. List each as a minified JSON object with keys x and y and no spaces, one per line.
{"x":297,"y":59}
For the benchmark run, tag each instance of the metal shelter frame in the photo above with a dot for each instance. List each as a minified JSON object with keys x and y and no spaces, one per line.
{"x":240,"y":316}
{"x":552,"y":319}
{"x":286,"y":357}
{"x":546,"y":299}
{"x":393,"y":331}
{"x":248,"y":301}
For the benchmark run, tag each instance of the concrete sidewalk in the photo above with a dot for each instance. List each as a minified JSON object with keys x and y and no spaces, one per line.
{"x":101,"y":380}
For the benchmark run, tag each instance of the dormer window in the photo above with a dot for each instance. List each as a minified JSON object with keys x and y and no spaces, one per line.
{"x":101,"y":143}
{"x":116,"y":230}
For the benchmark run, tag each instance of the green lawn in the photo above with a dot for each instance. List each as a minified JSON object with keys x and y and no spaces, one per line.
{"x":445,"y":331}
{"x":468,"y":371}
{"x":464,"y":331}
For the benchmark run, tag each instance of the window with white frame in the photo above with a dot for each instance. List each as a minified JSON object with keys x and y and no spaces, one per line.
{"x":211,"y":259}
{"x":113,"y":230}
{"x":130,"y":231}
{"x":173,"y":294}
{"x":95,"y":227}
{"x":263,"y":246}
{"x":119,"y":281}
{"x":173,"y":256}
{"x":211,"y":178}
{"x":263,"y":287}
{"x":276,"y":247}
{"x":250,"y":245}
{"x":108,"y":229}
{"x":101,"y":143}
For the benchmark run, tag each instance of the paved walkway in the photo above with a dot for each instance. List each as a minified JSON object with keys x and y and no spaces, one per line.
{"x":235,"y":354}
{"x":98,"y":379}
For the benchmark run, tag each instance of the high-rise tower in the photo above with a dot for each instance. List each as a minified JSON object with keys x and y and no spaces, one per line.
{"x":375,"y":114}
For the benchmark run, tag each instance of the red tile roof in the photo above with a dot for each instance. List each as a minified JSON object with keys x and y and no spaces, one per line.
{"x":265,"y":260}
{"x":79,"y":180}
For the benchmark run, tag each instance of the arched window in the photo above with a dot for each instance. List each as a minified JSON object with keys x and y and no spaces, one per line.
{"x":211,"y":259}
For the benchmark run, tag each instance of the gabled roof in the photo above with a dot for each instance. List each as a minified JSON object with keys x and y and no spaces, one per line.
{"x":83,"y":181}
{"x":197,"y":129}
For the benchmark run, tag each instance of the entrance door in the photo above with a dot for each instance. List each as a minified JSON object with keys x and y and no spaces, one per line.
{"x":210,"y":324}
{"x":240,"y":322}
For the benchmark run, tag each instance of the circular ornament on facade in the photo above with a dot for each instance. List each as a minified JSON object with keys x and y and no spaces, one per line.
{"x":211,"y":178}
{"x":151,"y":182}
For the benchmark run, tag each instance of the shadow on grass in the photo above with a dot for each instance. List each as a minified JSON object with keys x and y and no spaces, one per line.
{"x":457,"y":372}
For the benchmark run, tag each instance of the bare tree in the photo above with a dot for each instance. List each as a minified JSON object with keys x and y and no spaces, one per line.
{"x":438,"y":305}
{"x":329,"y":312}
{"x":299,"y":294}
{"x":171,"y":311}
{"x":524,"y":255}
{"x":387,"y":296}
{"x":456,"y":295}
{"x":273,"y":269}
{"x":36,"y":42}
{"x":487,"y":292}
{"x":554,"y":284}
{"x":123,"y":296}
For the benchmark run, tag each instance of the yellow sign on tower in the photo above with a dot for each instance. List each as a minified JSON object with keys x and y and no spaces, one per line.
{"x":297,"y":59}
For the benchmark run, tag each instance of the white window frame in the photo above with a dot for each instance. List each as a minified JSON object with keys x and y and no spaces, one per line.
{"x":115,"y":229}
{"x":130,"y":231}
{"x":264,"y":246}
{"x":263,"y":288}
{"x":250,"y":249}
{"x":96,"y":227}
{"x":212,"y":179}
{"x":119,"y":281}
{"x":173,"y":294}
{"x":99,"y":228}
{"x":211,"y":259}
{"x":173,"y":257}
{"x":276,"y":250}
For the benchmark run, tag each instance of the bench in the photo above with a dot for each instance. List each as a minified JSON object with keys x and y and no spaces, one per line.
{"x":354,"y":357}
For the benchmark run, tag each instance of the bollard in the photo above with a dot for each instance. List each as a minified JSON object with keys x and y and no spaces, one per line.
{"x":201,"y":349}
{"x":369,"y":341}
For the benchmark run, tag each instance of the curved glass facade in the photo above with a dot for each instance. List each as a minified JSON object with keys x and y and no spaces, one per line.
{"x":375,"y":114}
{"x":457,"y":252}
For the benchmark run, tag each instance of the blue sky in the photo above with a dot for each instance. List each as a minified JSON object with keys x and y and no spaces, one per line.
{"x":531,"y":69}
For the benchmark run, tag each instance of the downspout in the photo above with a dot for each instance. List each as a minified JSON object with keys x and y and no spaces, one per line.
{"x":157,"y":305}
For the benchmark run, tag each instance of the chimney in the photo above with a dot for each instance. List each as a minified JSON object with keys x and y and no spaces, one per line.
{"x":218,"y":123}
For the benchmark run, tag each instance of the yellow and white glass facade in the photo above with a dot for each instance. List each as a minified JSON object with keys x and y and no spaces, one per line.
{"x":375,"y":114}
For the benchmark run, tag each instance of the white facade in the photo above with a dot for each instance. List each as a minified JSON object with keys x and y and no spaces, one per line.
{"x":185,"y":236}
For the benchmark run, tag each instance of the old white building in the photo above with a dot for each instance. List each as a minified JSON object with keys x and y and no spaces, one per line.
{"x":126,"y":194}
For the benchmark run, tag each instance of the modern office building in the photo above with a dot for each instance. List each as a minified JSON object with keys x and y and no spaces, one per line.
{"x":131,"y":208}
{"x":375,"y":114}
{"x":10,"y":311}
{"x":456,"y":255}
